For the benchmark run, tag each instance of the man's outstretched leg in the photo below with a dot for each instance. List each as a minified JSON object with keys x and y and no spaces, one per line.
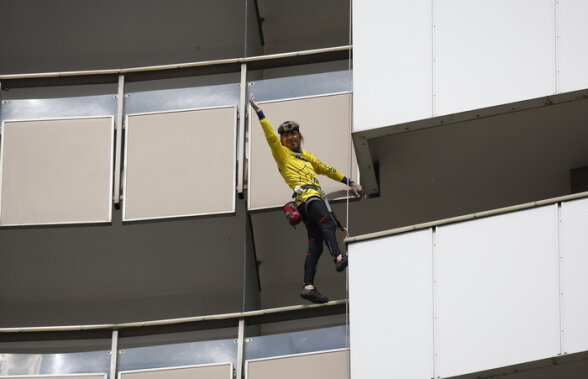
{"x":318,"y":212}
{"x":315,"y":249}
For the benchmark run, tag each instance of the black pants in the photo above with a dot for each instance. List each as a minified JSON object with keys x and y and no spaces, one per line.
{"x":320,"y":228}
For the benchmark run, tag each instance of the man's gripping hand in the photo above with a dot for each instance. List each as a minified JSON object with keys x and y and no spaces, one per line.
{"x":253,"y":103}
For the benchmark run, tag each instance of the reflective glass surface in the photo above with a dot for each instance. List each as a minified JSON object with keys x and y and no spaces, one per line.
{"x":296,"y":342}
{"x":52,"y":364}
{"x":181,"y":354}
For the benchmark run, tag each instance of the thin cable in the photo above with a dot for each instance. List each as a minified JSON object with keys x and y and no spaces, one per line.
{"x":349,"y":112}
{"x":245,"y":33}
{"x":350,"y":128}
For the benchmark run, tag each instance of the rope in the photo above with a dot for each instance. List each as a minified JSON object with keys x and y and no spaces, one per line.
{"x":350,"y":127}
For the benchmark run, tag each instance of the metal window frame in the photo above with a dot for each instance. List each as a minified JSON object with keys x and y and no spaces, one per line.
{"x":291,"y":356}
{"x":120,"y":373}
{"x":2,"y":142}
{"x":124,"y":170}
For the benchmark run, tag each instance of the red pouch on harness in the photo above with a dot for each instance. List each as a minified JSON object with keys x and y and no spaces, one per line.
{"x":292,"y":214}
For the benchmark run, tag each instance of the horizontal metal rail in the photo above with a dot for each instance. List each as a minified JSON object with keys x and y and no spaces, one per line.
{"x":174,"y":321}
{"x":492,"y":212}
{"x":122,"y":71}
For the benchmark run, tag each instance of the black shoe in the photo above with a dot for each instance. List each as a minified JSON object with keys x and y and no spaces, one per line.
{"x":340,"y":266}
{"x":313,"y":295}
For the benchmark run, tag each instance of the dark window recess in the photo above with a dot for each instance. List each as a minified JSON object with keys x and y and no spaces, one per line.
{"x":579,"y":179}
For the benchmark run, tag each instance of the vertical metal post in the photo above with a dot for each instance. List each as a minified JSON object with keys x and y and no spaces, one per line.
{"x":118,"y":147}
{"x":240,"y":348}
{"x":0,"y":107}
{"x":113,"y":354}
{"x":241,"y":129}
{"x":435,"y":319}
{"x":560,"y":274}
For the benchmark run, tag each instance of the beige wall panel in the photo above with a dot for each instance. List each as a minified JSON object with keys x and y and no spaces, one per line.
{"x":216,"y":371}
{"x":180,"y":164}
{"x":325,"y":124}
{"x":322,"y":365}
{"x":68,"y":376}
{"x":56,"y":171}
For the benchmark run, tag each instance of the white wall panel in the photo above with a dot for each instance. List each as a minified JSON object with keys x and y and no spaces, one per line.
{"x":392,"y":62}
{"x":56,"y":171}
{"x":414,"y":60}
{"x":497,"y":291}
{"x":391,"y":303}
{"x":572,"y":45}
{"x":574,"y":252}
{"x":492,"y":52}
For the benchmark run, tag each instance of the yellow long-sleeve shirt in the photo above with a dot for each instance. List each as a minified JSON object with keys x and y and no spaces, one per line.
{"x":297,"y":169}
